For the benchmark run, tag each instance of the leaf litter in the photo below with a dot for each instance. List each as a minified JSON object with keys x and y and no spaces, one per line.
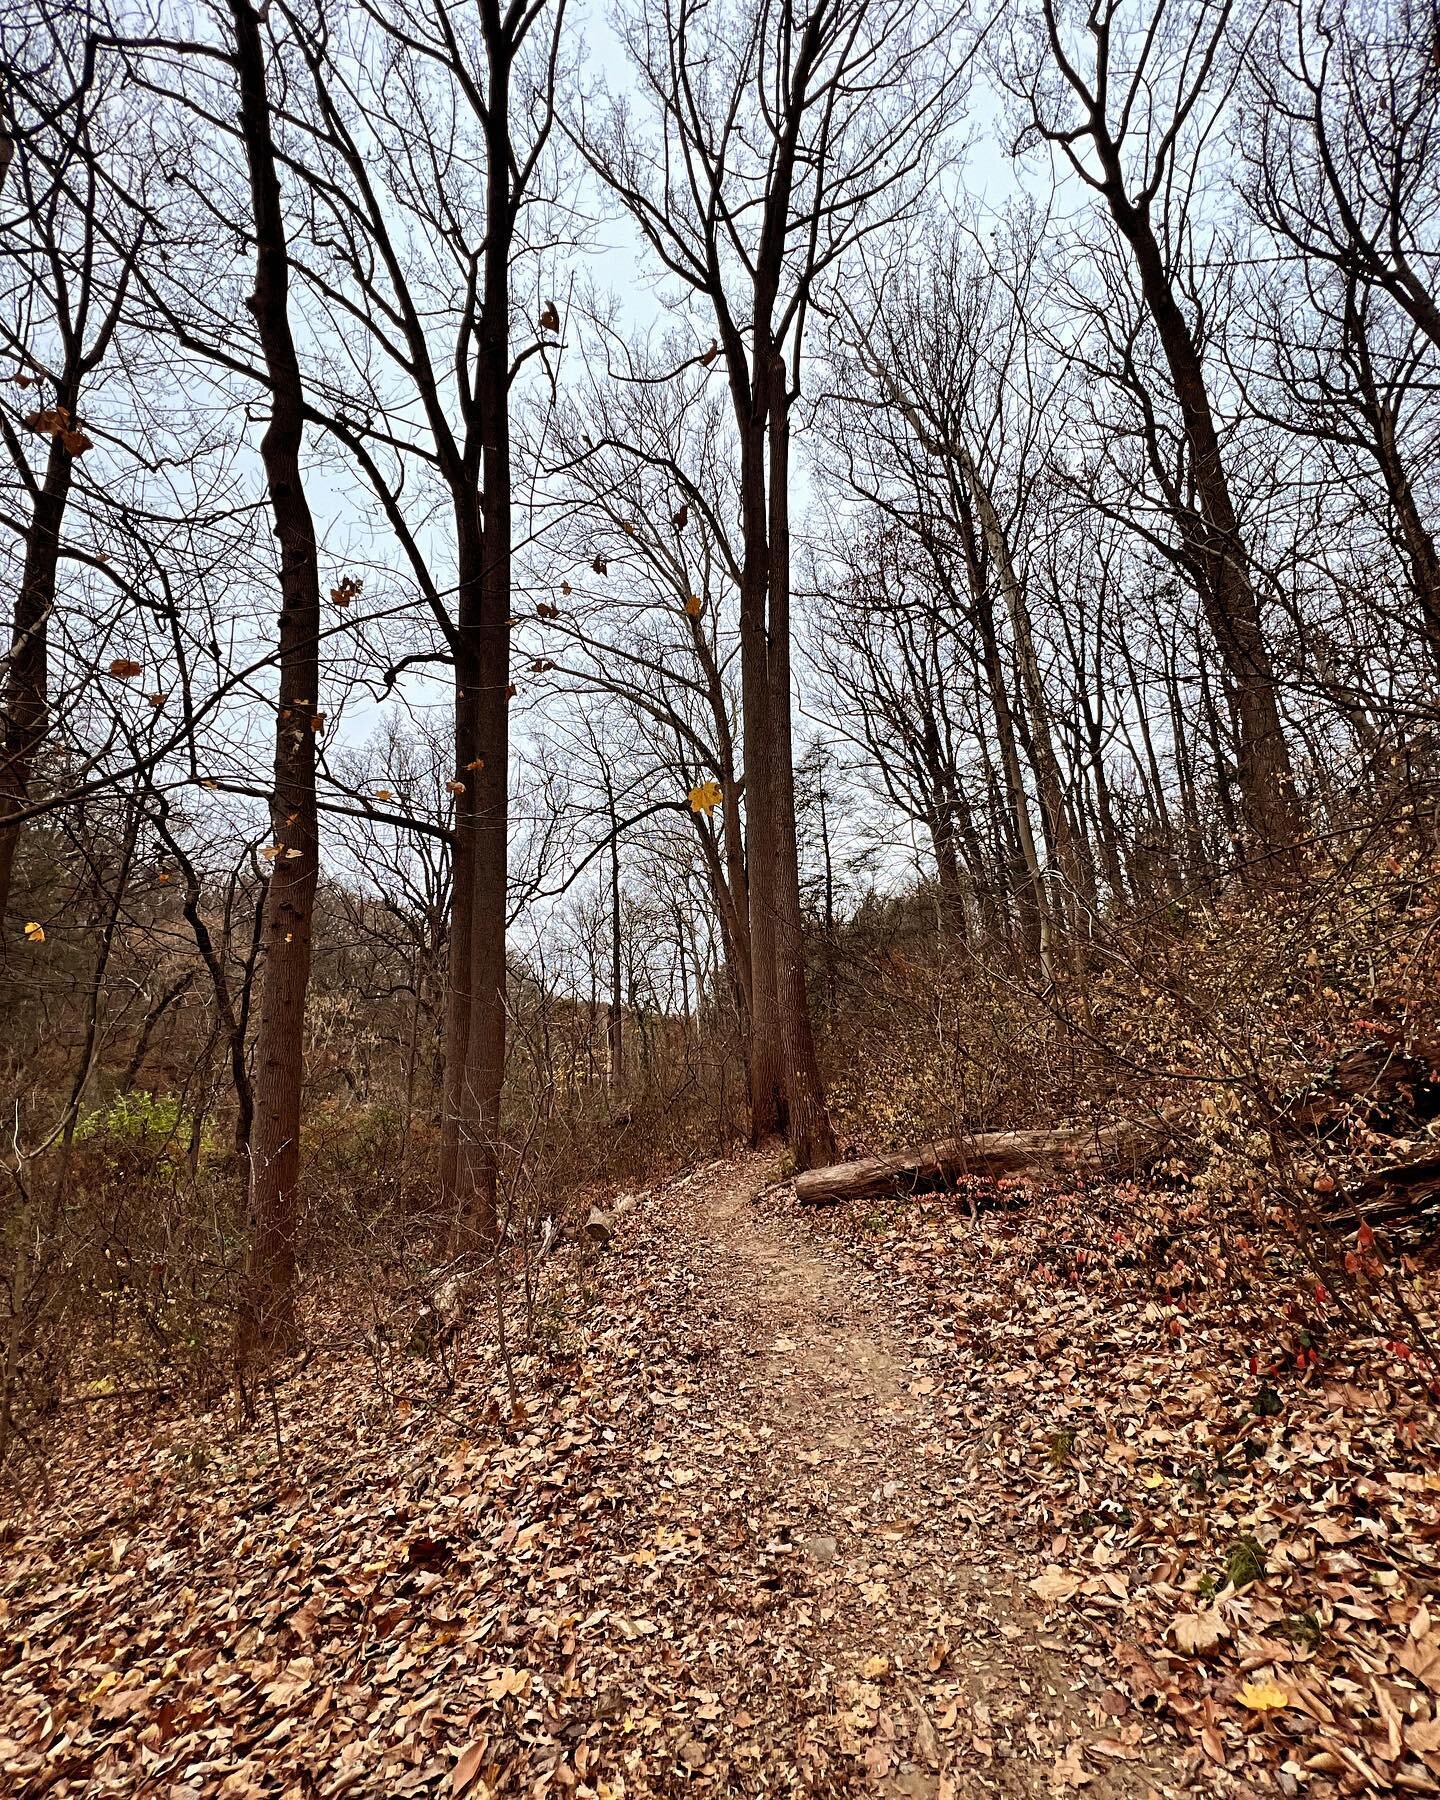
{"x":911,"y":1503}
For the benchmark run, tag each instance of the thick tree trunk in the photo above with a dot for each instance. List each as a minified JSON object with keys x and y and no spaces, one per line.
{"x":767,"y":1087}
{"x":954,"y":895}
{"x":461,"y":937}
{"x":267,"y":1314}
{"x":615,"y":1024}
{"x":476,"y":1017}
{"x":486,"y":1042}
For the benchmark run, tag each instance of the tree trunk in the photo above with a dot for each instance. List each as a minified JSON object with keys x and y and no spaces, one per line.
{"x":811,"y":1137}
{"x":767,"y":1088}
{"x":1007,"y":739}
{"x":267,"y":1318}
{"x":1267,"y":787}
{"x":485,"y":1046}
{"x":1050,"y":787}
{"x":1416,"y":543}
{"x":616,"y":1022}
{"x":461,"y":947}
{"x":28,"y":676}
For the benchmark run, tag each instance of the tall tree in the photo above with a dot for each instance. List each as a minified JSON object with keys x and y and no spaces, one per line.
{"x":783,"y":135}
{"x":71,"y":256}
{"x":429,"y":398}
{"x":1126,"y":100}
{"x":268,"y":1306}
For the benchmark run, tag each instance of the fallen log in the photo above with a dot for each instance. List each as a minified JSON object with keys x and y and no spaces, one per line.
{"x":941,"y":1164}
{"x":1402,"y":1199}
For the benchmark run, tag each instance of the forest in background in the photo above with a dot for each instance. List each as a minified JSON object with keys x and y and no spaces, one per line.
{"x":911,"y":665}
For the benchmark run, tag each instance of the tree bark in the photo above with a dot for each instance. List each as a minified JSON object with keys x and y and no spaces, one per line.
{"x":1007,"y":737}
{"x":615,"y":1024}
{"x":989,"y":1154}
{"x":461,"y":946}
{"x":484,"y":631}
{"x":267,"y":1317}
{"x":1416,"y":542}
{"x":1049,"y":785}
{"x":812,"y":1139}
{"x":768,"y":1113}
{"x":1269,"y":802}
{"x":28,"y":677}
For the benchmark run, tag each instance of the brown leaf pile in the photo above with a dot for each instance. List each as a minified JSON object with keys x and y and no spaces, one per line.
{"x":1202,"y":1467}
{"x":898,"y":1502}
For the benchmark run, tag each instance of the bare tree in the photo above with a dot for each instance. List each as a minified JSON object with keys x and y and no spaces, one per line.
{"x":70,"y":256}
{"x":1128,"y":104}
{"x":268,"y":1311}
{"x":1343,"y":152}
{"x":783,"y":138}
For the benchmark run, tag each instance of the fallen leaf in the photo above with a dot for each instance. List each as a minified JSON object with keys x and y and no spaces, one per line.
{"x":1263,"y":1696}
{"x":1055,"y":1586}
{"x":1198,"y":1632}
{"x":466,"y":1773}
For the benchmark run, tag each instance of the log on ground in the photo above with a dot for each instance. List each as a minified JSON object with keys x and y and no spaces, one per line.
{"x":988,"y":1154}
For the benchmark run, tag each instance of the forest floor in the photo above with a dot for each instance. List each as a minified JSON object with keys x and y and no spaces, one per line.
{"x":906,"y":1503}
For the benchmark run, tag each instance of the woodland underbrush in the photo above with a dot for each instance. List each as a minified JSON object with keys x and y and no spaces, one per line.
{"x":1287,"y":1029}
{"x":1284,"y":1035}
{"x":1235,"y":1008}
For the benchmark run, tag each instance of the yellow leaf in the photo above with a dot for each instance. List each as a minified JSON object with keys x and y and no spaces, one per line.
{"x":706,"y":797}
{"x":1263,"y":1696}
{"x":34,"y":931}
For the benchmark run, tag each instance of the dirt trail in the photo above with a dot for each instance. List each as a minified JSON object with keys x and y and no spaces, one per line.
{"x":740,"y":1526}
{"x":925,"y":1669}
